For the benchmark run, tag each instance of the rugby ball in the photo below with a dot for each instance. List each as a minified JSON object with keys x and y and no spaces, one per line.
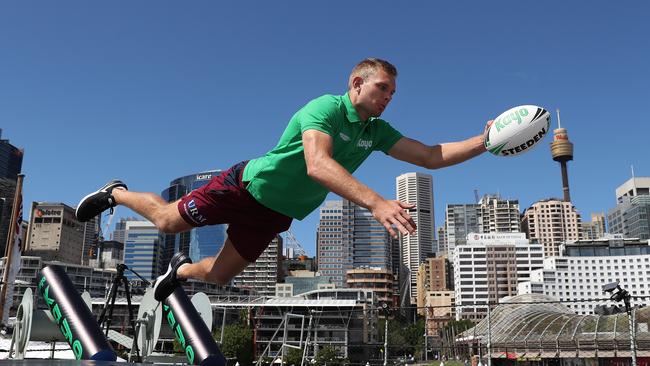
{"x":517,"y":130}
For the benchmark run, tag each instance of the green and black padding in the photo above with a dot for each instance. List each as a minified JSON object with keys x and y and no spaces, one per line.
{"x":72,"y":316}
{"x":190,"y":330}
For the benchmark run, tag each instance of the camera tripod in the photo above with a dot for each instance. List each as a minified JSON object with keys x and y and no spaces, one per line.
{"x":110,"y":304}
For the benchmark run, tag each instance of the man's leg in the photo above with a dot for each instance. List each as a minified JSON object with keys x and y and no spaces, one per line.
{"x":154,"y":208}
{"x":219,"y":269}
{"x":164,"y":215}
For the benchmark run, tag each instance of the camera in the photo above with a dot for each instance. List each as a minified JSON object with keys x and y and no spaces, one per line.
{"x":610,"y":287}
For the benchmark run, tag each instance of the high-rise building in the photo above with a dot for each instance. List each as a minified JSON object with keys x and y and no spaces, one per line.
{"x":498,"y":215}
{"x":200,"y":242}
{"x":396,"y":267}
{"x":333,"y":246}
{"x":417,"y":188}
{"x":141,"y":249}
{"x":443,"y":247}
{"x":460,"y":220}
{"x":380,"y":280}
{"x":439,"y":273}
{"x":120,"y":228}
{"x":54,"y":233}
{"x":289,"y":253}
{"x":7,"y":196}
{"x":262,"y":275}
{"x":11,"y":161}
{"x":92,"y":231}
{"x":635,"y":186}
{"x":489,"y":267}
{"x":435,"y":274}
{"x":631,"y":217}
{"x":551,"y":222}
{"x":594,"y":229}
{"x":583,"y":267}
{"x":370,"y":240}
{"x":349,"y":237}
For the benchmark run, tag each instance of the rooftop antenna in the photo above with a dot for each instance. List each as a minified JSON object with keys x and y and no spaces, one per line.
{"x":632,"y":166}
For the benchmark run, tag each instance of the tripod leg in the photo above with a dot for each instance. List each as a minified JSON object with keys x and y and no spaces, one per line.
{"x":111,"y":295}
{"x":131,"y":320}
{"x":111,"y":306}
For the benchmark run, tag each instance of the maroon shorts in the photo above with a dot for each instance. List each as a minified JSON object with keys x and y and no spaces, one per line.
{"x":225,"y":200}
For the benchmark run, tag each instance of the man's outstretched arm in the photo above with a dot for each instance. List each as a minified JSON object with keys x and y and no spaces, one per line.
{"x":329,"y":173}
{"x":437,"y":156}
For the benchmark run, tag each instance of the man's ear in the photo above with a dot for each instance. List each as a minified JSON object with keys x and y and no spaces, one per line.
{"x":357,"y":81}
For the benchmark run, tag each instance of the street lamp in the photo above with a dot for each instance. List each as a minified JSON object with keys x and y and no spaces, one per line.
{"x":620,"y":294}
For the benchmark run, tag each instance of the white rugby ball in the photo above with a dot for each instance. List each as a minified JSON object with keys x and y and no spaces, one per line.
{"x":517,"y":130}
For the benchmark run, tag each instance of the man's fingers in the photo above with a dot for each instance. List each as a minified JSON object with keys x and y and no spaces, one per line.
{"x":399,"y":226}
{"x":487,"y":127}
{"x":388,"y":227}
{"x":406,"y":223}
{"x":406,"y":204}
{"x":409,"y":220}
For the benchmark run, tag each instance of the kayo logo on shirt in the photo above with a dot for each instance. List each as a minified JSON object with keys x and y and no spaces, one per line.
{"x":366,"y":144}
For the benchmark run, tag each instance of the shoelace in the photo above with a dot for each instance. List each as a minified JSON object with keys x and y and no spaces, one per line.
{"x":111,"y":202}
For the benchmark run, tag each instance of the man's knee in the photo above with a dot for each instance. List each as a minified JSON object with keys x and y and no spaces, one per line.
{"x":217,"y":279}
{"x":166,"y":226}
{"x":171,"y":222}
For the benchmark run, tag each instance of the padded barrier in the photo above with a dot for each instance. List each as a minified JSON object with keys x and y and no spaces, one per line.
{"x":72,"y":316}
{"x":190,"y":330}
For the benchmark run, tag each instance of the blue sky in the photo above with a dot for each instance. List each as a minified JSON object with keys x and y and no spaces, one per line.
{"x":148,"y":91}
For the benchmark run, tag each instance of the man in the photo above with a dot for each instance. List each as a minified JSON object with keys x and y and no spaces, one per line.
{"x":323,"y":144}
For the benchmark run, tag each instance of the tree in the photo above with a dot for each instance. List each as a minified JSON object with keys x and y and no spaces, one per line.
{"x":293,"y":356}
{"x":459,"y":325}
{"x":404,"y":339}
{"x":238,"y":343}
{"x":328,"y":356}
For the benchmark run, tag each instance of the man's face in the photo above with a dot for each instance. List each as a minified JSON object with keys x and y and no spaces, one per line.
{"x":375,"y":93}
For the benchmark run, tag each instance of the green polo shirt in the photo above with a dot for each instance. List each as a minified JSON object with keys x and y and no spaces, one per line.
{"x":279,"y":179}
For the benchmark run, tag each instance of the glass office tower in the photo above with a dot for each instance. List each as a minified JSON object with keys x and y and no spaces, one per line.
{"x":140,"y":249}
{"x":200,"y":242}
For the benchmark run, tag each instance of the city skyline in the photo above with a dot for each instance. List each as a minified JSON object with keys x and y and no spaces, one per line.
{"x":191,"y":89}
{"x":311,"y":249}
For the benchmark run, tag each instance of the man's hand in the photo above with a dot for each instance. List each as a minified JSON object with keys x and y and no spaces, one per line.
{"x":392,"y":212}
{"x":485,"y":131}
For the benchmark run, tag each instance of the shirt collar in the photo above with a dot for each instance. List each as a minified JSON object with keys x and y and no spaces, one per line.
{"x":350,"y":112}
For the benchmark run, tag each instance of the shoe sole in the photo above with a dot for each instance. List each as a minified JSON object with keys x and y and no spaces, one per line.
{"x":76,"y":211}
{"x":159,"y":280}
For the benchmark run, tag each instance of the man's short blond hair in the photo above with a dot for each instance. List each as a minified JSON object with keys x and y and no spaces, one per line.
{"x":369,"y":66}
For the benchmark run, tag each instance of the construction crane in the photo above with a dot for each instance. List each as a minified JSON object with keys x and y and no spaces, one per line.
{"x":290,"y":241}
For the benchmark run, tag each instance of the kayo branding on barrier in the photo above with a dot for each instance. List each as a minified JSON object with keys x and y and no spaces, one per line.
{"x":73,"y":316}
{"x":61,"y":321}
{"x":178,"y":332}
